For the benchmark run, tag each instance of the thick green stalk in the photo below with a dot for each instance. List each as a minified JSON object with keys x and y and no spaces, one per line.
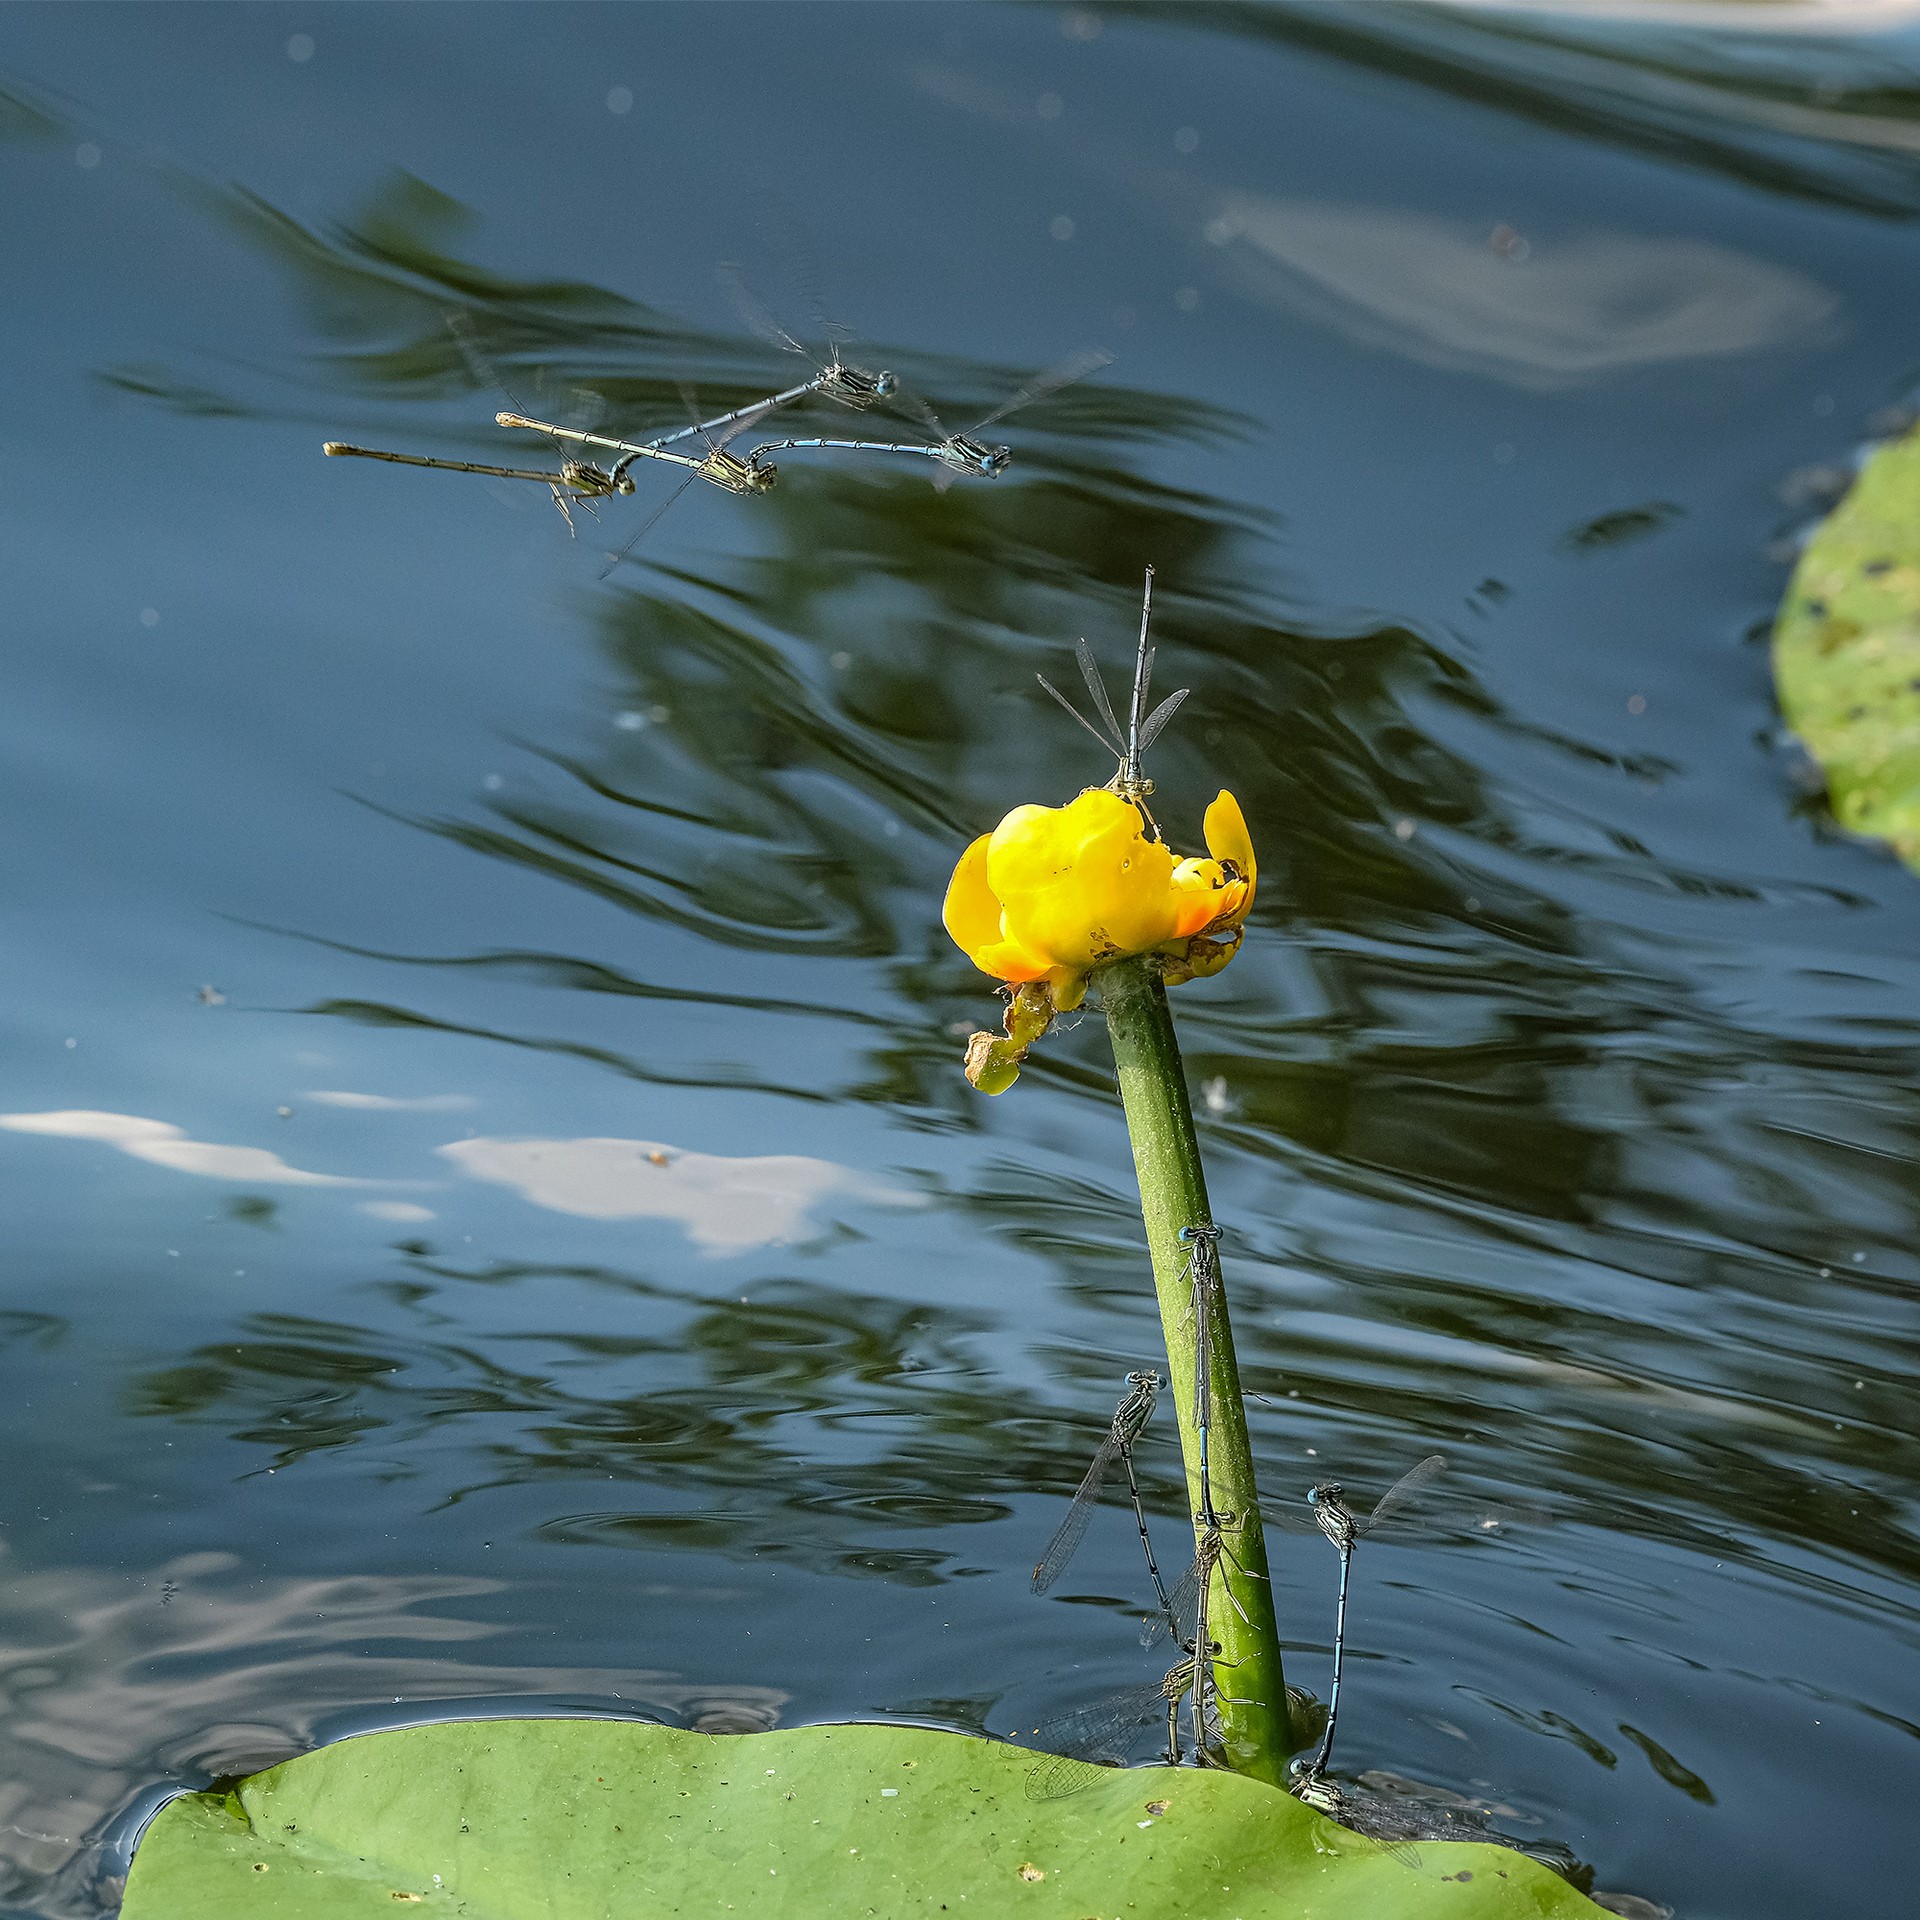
{"x":1250,"y":1687}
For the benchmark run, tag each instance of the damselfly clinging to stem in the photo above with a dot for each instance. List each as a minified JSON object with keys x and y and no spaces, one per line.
{"x":1131,"y":742}
{"x":1187,"y":1613}
{"x":1128,"y":1422}
{"x":1101,"y":1734}
{"x":956,"y":453}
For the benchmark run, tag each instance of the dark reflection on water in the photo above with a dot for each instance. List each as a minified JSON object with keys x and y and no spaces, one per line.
{"x":1560,"y":1109}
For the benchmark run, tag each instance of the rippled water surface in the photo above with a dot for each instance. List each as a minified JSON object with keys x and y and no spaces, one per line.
{"x":493,"y":1211}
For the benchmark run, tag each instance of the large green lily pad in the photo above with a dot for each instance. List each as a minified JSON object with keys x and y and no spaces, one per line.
{"x":1846,"y":651}
{"x":616,"y":1820}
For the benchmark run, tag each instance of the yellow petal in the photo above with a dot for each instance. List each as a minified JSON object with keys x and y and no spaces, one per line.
{"x":1081,"y":883}
{"x":971,"y":913}
{"x":1228,"y":839}
{"x":1068,"y":987}
{"x":974,"y":919}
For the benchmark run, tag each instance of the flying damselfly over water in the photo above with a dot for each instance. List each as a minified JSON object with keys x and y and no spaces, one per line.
{"x":579,"y":482}
{"x":955,"y":453}
{"x":833,"y":379}
{"x":573,"y":483}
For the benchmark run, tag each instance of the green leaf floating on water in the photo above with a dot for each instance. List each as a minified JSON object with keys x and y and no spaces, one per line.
{"x":616,"y":1820}
{"x":1846,"y":651}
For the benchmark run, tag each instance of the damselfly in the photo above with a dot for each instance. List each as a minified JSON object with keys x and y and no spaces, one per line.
{"x":1103,"y":1734}
{"x":1346,"y":1529}
{"x":574,"y":483}
{"x":1388,"y":1813}
{"x":1365,"y":1823}
{"x":956,"y":453}
{"x":1129,"y":1419}
{"x":724,"y":469}
{"x":1130,"y":781}
{"x":834,"y":379}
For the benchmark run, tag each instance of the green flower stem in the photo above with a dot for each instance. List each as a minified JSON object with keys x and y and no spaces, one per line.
{"x":1251,"y":1688}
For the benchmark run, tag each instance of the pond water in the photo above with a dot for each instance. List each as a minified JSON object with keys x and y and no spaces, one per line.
{"x":494,"y":1213}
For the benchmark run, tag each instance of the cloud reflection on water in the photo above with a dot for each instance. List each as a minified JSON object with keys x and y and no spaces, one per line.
{"x":1574,"y":310}
{"x":726,"y":1204}
{"x":166,"y":1145}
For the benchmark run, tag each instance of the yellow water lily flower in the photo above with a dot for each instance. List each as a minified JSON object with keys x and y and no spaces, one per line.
{"x":1055,"y":892}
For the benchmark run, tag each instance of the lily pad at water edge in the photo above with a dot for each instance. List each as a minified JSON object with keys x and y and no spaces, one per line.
{"x":593,"y":1819}
{"x":1846,"y":651}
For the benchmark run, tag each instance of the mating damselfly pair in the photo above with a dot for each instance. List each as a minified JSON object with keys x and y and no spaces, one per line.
{"x":703,"y":449}
{"x":1107,"y":1731}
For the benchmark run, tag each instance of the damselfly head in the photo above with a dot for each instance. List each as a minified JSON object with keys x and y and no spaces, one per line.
{"x":591,"y":481}
{"x":855,"y":387}
{"x":1328,"y":1493}
{"x":965,"y":455}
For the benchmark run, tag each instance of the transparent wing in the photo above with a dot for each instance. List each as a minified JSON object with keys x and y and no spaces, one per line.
{"x":757,"y":319}
{"x":487,"y":376}
{"x":749,"y":417}
{"x":1072,"y":1530}
{"x":1075,"y":711}
{"x":647,"y":525}
{"x":1092,"y":1737}
{"x":1064,"y":375}
{"x":1180,"y":1618}
{"x":1158,"y":718}
{"x":1090,"y":673}
{"x":1404,"y":1491}
{"x":923,"y":413}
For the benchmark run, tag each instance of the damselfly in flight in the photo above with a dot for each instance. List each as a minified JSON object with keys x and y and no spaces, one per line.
{"x":724,"y":469}
{"x":833,"y":379}
{"x":573,"y":483}
{"x":956,"y":453}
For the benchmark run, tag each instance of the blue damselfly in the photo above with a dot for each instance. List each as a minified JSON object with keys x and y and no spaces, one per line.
{"x":955,"y":453}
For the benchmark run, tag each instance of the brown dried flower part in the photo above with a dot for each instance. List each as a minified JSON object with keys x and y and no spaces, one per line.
{"x":993,"y":1059}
